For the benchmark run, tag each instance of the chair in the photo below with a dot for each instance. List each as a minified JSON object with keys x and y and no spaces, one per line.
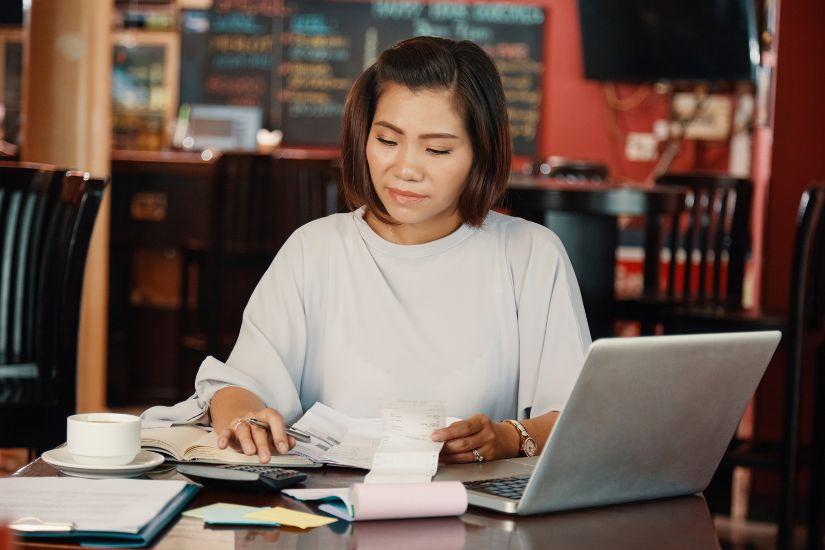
{"x":47,"y":218}
{"x":257,"y":201}
{"x":705,"y":253}
{"x":803,"y":329}
{"x":573,"y":170}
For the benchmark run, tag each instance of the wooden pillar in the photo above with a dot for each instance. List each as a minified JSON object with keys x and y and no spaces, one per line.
{"x":66,"y":122}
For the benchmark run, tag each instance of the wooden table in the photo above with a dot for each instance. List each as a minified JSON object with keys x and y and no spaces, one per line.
{"x":584,"y":216}
{"x":681,"y":523}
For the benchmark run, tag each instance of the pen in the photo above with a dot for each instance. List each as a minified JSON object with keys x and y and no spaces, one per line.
{"x":294,"y":432}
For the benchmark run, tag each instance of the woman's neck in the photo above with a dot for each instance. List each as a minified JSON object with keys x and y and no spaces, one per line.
{"x":420,"y":233}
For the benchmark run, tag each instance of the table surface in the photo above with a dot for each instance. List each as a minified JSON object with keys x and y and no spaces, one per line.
{"x":680,"y":523}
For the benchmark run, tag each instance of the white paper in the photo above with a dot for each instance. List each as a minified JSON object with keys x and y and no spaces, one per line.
{"x":120,"y":505}
{"x":340,"y":440}
{"x":406,"y":454}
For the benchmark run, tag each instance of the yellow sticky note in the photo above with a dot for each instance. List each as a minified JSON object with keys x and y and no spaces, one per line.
{"x":285,"y":516}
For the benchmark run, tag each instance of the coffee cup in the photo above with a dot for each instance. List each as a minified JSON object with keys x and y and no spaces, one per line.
{"x":103,"y":439}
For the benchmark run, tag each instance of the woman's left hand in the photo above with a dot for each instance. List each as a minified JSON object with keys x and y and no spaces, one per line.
{"x":492,"y":440}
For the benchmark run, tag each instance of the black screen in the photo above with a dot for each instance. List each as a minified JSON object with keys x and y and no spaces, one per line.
{"x":649,"y":40}
{"x":11,"y":12}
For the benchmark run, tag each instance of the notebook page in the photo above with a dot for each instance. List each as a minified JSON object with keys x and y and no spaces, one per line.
{"x":176,"y":441}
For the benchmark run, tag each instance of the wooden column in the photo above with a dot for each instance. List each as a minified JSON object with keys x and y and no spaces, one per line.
{"x":67,"y":122}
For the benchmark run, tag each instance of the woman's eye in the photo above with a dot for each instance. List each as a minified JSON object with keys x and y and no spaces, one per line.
{"x":386,"y":141}
{"x":439,"y":151}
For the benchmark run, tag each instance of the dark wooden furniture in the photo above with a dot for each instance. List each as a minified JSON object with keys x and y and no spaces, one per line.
{"x":257,"y":201}
{"x":171,"y":209}
{"x":573,"y":170}
{"x":583,"y":215}
{"x":707,"y":249}
{"x":681,"y":523}
{"x":47,"y":220}
{"x":158,"y":201}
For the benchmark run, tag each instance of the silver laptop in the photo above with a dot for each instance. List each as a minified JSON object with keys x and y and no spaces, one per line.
{"x":648,"y":418}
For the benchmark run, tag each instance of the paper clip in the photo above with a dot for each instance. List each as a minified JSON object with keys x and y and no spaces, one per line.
{"x":33,"y":524}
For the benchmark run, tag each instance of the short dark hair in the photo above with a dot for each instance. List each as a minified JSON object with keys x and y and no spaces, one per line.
{"x":431,"y":63}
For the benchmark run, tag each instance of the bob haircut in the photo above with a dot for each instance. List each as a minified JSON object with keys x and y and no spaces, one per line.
{"x":430,"y":63}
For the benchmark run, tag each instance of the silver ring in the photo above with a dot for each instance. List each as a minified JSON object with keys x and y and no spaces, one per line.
{"x":238,"y":423}
{"x":477,"y":457}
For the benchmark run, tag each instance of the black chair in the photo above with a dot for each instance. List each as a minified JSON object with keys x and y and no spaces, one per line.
{"x":803,"y":329}
{"x":707,"y":252}
{"x":572,"y":170}
{"x":256,"y":202}
{"x":47,"y":218}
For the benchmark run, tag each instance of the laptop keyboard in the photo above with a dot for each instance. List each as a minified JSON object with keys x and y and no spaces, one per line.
{"x":507,"y":487}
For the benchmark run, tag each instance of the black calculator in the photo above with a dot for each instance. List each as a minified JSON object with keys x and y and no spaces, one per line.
{"x":242,"y":477}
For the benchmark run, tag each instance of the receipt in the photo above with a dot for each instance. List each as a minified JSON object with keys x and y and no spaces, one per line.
{"x":406,"y":454}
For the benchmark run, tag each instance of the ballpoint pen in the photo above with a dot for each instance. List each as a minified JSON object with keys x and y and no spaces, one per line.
{"x":294,"y":432}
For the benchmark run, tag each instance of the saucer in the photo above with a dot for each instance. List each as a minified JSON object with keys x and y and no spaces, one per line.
{"x":61,"y":459}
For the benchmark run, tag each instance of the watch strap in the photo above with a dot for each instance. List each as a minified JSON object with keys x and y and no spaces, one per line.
{"x":523,"y":435}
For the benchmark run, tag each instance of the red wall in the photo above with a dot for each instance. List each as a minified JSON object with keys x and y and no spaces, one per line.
{"x":798,"y":158}
{"x":576,"y":121}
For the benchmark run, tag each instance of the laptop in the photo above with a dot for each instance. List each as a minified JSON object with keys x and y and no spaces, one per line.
{"x":648,"y":418}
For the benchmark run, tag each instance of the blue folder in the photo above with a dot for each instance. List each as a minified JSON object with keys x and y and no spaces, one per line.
{"x":108,"y":539}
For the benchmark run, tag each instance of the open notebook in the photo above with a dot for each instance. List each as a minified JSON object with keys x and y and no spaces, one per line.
{"x":190,"y":444}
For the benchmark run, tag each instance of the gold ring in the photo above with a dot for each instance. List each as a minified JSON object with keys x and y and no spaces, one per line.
{"x":477,"y":456}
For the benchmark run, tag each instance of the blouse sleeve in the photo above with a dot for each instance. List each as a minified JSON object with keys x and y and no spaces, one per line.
{"x":268,"y":357}
{"x":553,"y":332}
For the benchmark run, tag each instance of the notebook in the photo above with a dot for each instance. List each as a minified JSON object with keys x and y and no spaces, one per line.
{"x":190,"y":444}
{"x":122,"y":513}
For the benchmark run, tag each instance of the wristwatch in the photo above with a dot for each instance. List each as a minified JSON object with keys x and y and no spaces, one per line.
{"x":527,"y":445}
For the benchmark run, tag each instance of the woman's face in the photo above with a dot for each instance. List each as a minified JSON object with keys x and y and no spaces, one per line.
{"x":419,"y":156}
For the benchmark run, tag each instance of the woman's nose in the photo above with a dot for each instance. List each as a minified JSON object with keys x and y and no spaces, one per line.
{"x":409,"y":165}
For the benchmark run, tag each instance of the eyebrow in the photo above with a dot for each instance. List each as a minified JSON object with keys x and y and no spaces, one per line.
{"x":398,"y":130}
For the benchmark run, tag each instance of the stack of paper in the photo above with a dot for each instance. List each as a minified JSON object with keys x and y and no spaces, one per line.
{"x":404,"y":429}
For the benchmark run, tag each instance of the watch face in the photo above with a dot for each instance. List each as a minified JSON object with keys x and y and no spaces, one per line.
{"x":530,"y":447}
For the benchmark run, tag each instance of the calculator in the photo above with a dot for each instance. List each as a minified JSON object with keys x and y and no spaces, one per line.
{"x":243,"y":477}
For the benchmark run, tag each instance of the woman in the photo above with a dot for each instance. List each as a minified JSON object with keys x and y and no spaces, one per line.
{"x":422,"y":292}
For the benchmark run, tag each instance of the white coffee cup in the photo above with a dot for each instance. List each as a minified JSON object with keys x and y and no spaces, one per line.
{"x":103,"y":439}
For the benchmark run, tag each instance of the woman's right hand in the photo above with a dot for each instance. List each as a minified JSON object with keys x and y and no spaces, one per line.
{"x":250,"y":439}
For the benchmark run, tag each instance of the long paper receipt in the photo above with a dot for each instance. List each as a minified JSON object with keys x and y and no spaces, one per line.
{"x":406,"y":454}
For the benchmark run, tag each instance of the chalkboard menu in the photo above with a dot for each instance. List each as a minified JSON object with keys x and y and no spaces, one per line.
{"x":228,"y":54}
{"x":298,"y":64}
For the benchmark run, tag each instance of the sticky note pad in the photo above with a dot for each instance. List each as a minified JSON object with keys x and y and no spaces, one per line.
{"x":285,"y":516}
{"x":235,"y":516}
{"x":198,"y":512}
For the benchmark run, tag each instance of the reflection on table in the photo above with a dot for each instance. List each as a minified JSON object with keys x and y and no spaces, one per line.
{"x":680,"y":523}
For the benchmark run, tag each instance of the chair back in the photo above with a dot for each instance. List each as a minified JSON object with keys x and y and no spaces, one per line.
{"x":27,"y":197}
{"x":708,"y":249}
{"x":807,"y":296}
{"x":47,"y":221}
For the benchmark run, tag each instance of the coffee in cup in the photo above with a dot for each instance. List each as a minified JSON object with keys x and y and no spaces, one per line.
{"x":103,"y":439}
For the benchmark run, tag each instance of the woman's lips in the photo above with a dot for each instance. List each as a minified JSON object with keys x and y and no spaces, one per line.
{"x":405,"y":197}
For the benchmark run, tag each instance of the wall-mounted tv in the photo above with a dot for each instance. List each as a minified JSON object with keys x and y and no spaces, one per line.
{"x":676,"y":40}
